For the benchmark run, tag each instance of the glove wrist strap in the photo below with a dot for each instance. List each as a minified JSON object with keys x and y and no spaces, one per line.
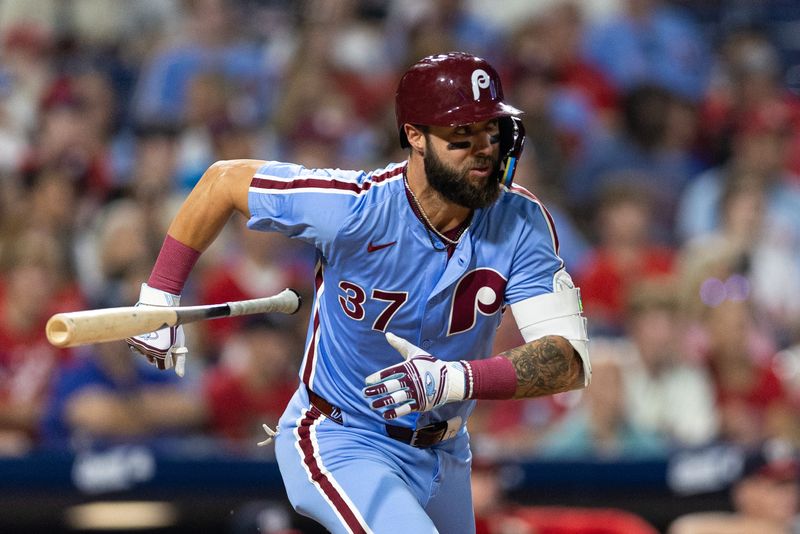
{"x":458,"y":382}
{"x":155,"y":297}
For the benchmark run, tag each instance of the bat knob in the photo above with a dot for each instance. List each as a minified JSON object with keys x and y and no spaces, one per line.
{"x":299,"y":300}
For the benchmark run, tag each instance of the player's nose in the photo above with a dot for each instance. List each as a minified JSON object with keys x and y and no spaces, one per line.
{"x":482,"y":143}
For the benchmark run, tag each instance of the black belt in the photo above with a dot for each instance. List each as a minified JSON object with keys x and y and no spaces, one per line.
{"x":333,"y":412}
{"x":424,"y":437}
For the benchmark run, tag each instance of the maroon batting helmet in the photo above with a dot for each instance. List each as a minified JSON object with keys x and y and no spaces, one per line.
{"x":454,"y":89}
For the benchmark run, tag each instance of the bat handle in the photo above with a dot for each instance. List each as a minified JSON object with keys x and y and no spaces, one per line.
{"x":287,"y":301}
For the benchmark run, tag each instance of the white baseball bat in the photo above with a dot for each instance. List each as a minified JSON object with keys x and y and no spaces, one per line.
{"x":109,"y":324}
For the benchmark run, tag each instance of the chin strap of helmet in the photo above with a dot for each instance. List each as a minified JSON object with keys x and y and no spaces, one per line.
{"x":512,"y":140}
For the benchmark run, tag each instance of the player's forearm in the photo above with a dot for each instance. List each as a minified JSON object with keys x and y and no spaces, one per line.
{"x":221,"y":191}
{"x":546,"y":366}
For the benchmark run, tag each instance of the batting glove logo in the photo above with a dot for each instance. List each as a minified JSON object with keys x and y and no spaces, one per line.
{"x":430,"y":387}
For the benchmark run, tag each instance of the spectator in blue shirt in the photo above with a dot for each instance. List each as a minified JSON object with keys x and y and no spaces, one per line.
{"x":651,"y":42}
{"x":109,"y":397}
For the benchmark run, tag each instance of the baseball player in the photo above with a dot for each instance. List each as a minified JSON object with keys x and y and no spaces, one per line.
{"x":416,"y":263}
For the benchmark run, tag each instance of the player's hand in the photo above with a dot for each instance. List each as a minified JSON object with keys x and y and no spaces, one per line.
{"x":420,"y":384}
{"x":163,"y":348}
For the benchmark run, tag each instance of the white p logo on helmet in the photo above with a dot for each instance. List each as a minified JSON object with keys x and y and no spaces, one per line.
{"x":480,"y":80}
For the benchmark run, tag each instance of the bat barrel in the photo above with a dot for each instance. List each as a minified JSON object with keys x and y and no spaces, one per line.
{"x":69,"y":329}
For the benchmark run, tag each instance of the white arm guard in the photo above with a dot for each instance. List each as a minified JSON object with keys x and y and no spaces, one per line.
{"x":556,"y":314}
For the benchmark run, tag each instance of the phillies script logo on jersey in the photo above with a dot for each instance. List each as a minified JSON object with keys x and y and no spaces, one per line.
{"x":481,"y":291}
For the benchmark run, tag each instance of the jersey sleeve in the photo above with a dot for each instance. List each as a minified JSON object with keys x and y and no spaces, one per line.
{"x":301,"y":203}
{"x":536,"y":262}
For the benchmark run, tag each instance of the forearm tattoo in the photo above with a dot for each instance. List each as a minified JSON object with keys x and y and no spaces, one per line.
{"x":546,"y":366}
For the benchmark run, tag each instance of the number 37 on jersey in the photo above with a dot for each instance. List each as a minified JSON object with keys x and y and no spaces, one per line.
{"x":478,"y":291}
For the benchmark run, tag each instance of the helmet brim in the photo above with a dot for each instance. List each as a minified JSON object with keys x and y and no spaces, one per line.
{"x":455,"y":116}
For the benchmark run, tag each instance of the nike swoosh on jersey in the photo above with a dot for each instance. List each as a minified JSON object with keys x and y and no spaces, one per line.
{"x":373,"y":248}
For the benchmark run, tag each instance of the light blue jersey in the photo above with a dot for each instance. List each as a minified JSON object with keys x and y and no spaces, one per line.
{"x":379,"y":270}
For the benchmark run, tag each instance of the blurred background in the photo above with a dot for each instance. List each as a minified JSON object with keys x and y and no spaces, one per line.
{"x":663,"y":136}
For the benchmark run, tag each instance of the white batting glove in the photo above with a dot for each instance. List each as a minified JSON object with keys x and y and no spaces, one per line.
{"x":420,"y":384}
{"x":163,"y":348}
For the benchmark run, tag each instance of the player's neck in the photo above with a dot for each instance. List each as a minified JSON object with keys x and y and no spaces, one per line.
{"x":441,"y":213}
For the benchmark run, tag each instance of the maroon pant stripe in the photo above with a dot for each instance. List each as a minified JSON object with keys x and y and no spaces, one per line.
{"x":319,"y":477}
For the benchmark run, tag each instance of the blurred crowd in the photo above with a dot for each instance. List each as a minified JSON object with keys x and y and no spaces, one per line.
{"x":663,"y":136}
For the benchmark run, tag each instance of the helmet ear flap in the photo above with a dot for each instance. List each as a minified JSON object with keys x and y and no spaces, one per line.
{"x":512,"y":140}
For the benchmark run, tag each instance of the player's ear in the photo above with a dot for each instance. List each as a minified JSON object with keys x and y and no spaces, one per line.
{"x":416,"y":138}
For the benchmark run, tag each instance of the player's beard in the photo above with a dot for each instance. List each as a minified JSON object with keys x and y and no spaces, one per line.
{"x":455,"y":185}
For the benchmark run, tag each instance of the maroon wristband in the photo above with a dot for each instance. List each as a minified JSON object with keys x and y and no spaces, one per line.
{"x":172,"y":268}
{"x":494,"y":378}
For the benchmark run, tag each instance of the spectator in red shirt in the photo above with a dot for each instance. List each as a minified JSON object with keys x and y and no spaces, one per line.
{"x":554,"y":39}
{"x":252,"y":383}
{"x":251,"y":267}
{"x":31,"y":289}
{"x":752,"y":401}
{"x":625,"y":255}
{"x":747,"y":89}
